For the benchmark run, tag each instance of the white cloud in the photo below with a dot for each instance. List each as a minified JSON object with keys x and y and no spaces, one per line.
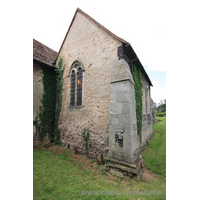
{"x":158,"y":93}
{"x":155,"y":67}
{"x":155,"y":83}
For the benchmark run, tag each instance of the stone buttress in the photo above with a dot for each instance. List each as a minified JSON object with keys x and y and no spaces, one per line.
{"x":124,"y":143}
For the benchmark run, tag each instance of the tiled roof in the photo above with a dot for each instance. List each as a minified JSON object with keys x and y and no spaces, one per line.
{"x":43,"y":54}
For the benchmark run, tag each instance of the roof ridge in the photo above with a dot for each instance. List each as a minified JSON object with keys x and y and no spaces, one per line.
{"x":97,"y":23}
{"x":103,"y":27}
{"x":44,"y":45}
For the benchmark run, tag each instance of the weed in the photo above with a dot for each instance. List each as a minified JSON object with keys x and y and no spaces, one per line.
{"x":47,"y":153}
{"x":98,"y":167}
{"x":86,"y":137}
{"x":107,"y":159}
{"x":92,"y":160}
{"x":119,"y":179}
{"x":102,"y":171}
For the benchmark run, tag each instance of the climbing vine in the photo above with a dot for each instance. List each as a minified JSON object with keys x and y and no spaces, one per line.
{"x":46,"y":121}
{"x":58,"y":104}
{"x":43,"y":121}
{"x":137,"y":75}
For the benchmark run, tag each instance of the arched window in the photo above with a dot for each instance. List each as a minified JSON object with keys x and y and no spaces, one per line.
{"x":73,"y":86}
{"x":79,"y":86}
{"x":76,"y":84}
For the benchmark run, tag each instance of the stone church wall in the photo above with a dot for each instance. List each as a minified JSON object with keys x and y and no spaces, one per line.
{"x":153,"y":111}
{"x":37,"y":89}
{"x":147,"y":120}
{"x":97,"y":51}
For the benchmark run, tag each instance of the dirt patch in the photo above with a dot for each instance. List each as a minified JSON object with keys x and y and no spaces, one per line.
{"x":159,"y":132}
{"x":148,"y":175}
{"x":83,"y":161}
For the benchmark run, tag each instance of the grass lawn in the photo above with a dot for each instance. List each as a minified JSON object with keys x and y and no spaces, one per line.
{"x":61,"y":174}
{"x":155,"y":153}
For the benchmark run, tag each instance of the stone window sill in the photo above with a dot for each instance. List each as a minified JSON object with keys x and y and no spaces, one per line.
{"x":75,"y":107}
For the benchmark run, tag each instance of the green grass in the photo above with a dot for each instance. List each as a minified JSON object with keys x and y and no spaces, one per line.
{"x":60,"y":177}
{"x":155,"y":153}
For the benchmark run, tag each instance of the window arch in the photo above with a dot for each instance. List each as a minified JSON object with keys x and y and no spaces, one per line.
{"x":76,"y":84}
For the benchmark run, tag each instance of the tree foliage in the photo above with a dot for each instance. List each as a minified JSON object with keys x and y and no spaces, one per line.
{"x":161,"y":107}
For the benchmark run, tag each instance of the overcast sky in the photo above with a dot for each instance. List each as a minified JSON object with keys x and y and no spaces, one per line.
{"x":157,"y":30}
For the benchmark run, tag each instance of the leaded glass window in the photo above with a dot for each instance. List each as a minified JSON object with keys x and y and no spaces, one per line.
{"x":73,"y":86}
{"x":79,"y":87}
{"x":76,"y":87}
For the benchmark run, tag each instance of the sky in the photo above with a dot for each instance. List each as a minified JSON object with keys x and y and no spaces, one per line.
{"x":162,"y":33}
{"x":139,"y":22}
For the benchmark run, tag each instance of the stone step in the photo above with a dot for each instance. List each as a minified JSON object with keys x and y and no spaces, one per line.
{"x":123,"y":163}
{"x":125,"y":169}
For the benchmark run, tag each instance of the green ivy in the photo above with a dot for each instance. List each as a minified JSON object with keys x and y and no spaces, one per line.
{"x":59,"y":86}
{"x":46,"y":121}
{"x":137,"y":75}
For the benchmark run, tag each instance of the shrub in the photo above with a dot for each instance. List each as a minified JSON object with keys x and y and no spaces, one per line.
{"x":163,"y":114}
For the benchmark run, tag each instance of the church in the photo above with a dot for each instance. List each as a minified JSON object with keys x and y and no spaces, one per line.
{"x":99,"y":96}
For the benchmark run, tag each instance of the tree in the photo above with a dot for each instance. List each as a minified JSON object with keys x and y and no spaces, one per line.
{"x":161,"y":102}
{"x":161,"y":106}
{"x":155,"y":105}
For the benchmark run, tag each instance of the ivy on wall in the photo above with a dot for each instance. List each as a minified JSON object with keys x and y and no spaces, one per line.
{"x":137,"y":76}
{"x":46,"y":121}
{"x":58,"y":104}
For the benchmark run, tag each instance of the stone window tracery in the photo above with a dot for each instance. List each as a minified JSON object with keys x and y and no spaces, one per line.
{"x":76,"y":84}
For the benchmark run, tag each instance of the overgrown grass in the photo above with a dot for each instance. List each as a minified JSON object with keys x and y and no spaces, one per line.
{"x":60,"y":177}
